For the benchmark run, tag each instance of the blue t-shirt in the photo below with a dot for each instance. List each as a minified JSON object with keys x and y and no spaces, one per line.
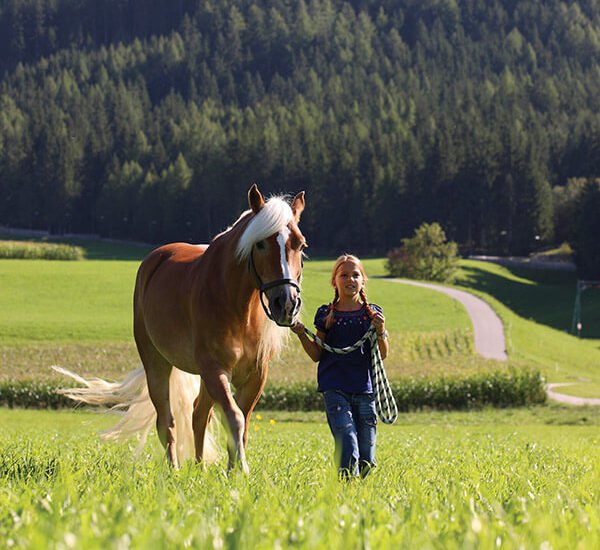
{"x":352,"y":372}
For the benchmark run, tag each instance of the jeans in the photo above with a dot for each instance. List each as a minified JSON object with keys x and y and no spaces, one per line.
{"x":352,"y":420}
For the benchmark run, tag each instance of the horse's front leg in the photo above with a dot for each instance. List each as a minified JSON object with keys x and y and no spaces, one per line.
{"x":217,"y":385}
{"x":248,"y":395}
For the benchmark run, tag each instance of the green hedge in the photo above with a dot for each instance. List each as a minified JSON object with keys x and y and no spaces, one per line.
{"x":26,"y":250}
{"x":501,"y":388}
{"x":30,"y":394}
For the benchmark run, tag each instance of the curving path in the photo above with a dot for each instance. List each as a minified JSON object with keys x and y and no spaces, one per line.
{"x":487,"y":326}
{"x":569,"y":399}
{"x":489,"y":335}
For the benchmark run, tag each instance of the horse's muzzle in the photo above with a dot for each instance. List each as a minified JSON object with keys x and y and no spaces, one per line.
{"x":284,"y":304}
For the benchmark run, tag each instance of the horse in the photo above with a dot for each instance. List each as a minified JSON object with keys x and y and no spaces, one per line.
{"x":214,"y":312}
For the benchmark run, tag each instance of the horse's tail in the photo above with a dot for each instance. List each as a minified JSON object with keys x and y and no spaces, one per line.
{"x":131,"y":395}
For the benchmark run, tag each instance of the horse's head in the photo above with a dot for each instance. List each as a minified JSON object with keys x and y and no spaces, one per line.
{"x":273,"y":244}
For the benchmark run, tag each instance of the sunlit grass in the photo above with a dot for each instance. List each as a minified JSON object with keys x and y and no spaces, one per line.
{"x":52,"y":301}
{"x":443,"y":481}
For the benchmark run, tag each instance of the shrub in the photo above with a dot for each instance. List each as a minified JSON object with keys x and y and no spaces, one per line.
{"x":499,"y":388}
{"x":427,"y":256}
{"x":32,"y":394}
{"x":25,"y":250}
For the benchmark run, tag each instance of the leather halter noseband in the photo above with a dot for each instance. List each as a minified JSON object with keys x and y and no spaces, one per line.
{"x":263,"y":287}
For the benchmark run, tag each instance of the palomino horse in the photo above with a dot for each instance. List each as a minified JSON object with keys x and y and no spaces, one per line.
{"x":204,"y":309}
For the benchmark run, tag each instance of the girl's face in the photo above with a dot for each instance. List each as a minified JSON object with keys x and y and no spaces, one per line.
{"x":349,"y":280}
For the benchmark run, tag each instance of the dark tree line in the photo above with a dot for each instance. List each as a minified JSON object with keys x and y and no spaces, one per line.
{"x":149,"y":120}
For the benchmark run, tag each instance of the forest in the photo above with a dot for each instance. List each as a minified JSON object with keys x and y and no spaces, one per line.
{"x":149,"y":120}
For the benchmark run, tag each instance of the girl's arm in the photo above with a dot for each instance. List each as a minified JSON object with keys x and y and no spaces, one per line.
{"x":378,"y":321}
{"x":312,"y":349}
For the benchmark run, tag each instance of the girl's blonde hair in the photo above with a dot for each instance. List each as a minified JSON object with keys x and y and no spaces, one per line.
{"x":336,"y":298}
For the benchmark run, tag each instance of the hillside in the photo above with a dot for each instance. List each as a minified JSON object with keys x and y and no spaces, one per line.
{"x":150,"y":120}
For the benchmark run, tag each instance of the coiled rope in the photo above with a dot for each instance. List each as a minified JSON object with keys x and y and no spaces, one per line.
{"x":385,"y":404}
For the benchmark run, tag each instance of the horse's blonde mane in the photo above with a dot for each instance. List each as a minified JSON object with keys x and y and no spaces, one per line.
{"x":273,"y":339}
{"x":275,"y":215}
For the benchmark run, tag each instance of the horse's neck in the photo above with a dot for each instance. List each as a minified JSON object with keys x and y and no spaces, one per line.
{"x":235,"y":290}
{"x":238,"y":290}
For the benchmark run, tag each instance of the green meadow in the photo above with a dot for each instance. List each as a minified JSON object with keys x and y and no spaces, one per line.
{"x":536,"y":308}
{"x":79,"y":315}
{"x":492,"y":479}
{"x":495,"y":478}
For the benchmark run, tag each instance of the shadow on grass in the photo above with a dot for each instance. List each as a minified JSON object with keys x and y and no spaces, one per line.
{"x":109,"y":250}
{"x":546,"y":297}
{"x":94,"y":248}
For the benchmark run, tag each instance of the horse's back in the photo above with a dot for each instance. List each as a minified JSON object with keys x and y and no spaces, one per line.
{"x":175,"y":258}
{"x":177,"y":252}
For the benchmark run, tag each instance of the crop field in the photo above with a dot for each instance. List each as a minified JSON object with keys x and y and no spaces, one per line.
{"x":493,"y":479}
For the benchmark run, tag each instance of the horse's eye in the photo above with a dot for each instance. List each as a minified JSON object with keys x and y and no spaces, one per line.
{"x":260,"y":245}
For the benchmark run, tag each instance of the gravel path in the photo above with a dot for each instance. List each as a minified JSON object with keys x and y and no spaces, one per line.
{"x":487,"y":326}
{"x":489,"y":335}
{"x":570,"y":399}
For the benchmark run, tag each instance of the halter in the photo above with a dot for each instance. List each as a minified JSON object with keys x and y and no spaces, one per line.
{"x":263,"y":287}
{"x":387,"y":410}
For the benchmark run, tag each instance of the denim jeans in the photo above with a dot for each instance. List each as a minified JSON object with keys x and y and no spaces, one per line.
{"x":352,"y":420}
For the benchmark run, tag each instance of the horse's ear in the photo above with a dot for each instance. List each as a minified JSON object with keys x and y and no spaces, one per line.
{"x":298,"y":205}
{"x":255,"y":199}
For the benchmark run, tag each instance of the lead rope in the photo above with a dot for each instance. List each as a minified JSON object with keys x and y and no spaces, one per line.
{"x":385,"y":404}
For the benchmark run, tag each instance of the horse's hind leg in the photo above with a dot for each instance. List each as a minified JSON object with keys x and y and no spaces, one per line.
{"x":158,"y":371}
{"x":203,"y":408}
{"x":158,"y":388}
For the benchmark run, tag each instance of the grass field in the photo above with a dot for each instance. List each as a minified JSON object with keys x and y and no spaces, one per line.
{"x":494,"y":479}
{"x":521,"y":478}
{"x":78,"y":314}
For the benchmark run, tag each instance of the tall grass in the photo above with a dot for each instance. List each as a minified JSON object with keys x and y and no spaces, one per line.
{"x":441,"y":484}
{"x":26,"y":250}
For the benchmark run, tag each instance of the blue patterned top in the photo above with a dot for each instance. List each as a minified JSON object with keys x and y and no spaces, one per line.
{"x":350,"y":373}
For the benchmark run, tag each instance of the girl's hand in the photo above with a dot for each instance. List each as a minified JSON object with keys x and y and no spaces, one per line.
{"x":297,"y":328}
{"x":378,"y":321}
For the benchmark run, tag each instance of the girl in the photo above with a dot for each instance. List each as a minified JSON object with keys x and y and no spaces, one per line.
{"x":345,"y":380}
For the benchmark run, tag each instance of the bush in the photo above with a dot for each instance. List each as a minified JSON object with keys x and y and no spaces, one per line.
{"x":500,"y":388}
{"x":24,"y":250}
{"x":31,"y":394}
{"x":426,"y":256}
